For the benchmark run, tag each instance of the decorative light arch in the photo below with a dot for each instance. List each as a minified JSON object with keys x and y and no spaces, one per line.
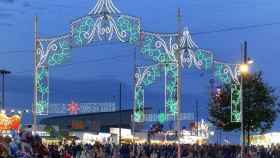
{"x":106,"y":23}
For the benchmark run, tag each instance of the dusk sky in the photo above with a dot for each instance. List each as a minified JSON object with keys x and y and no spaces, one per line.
{"x":97,"y":70}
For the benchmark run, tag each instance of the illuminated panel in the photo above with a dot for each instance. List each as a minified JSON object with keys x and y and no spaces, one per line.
{"x":171,"y":88}
{"x":42,"y":84}
{"x":138,"y":115}
{"x":235,"y":102}
{"x":107,"y":27}
{"x":145,"y":76}
{"x":160,"y":48}
{"x":223,"y":73}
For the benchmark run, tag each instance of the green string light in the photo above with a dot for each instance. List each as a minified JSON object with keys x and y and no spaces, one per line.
{"x":161,"y":118}
{"x":235,"y":102}
{"x":222,"y":73}
{"x":130,"y":27}
{"x":42,"y":90}
{"x":149,"y":49}
{"x":171,"y":88}
{"x":59,"y":55}
{"x":205,"y":58}
{"x":81,"y":30}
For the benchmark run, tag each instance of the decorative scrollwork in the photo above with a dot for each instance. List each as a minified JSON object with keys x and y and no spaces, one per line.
{"x":193,"y":55}
{"x":199,"y":58}
{"x":91,"y":28}
{"x":146,"y":76}
{"x":160,"y":47}
{"x":226,"y":73}
{"x":53,"y":51}
{"x":130,"y":27}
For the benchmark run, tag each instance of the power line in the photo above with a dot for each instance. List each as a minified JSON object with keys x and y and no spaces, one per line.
{"x":245,"y":27}
{"x":111,"y":43}
{"x":235,"y":28}
{"x":81,"y":62}
{"x":15,"y":51}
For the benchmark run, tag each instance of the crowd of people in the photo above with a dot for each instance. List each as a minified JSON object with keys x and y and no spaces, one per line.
{"x":160,"y":151}
{"x":25,"y":145}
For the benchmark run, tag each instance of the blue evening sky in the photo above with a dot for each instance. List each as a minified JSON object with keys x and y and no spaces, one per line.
{"x":93,"y":73}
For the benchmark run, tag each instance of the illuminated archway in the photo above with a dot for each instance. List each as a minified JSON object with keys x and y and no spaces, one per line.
{"x":106,"y":23}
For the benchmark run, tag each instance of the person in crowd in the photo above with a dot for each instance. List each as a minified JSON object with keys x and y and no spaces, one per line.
{"x":26,"y":145}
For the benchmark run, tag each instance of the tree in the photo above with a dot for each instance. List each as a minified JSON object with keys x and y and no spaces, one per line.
{"x":51,"y":130}
{"x":260,"y":105}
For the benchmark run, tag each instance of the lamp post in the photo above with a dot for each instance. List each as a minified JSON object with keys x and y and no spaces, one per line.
{"x":244,"y":70}
{"x":3,"y":73}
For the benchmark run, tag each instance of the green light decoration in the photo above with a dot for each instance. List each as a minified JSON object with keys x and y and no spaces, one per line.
{"x":104,"y":23}
{"x":139,"y":104}
{"x":58,"y":55}
{"x":160,"y":48}
{"x":42,"y":85}
{"x":153,"y":73}
{"x":42,"y":107}
{"x":205,"y":58}
{"x":198,"y":58}
{"x":235,"y":102}
{"x":105,"y":27}
{"x":145,"y":76}
{"x":171,"y":88}
{"x":161,"y":118}
{"x":150,"y":50}
{"x":81,"y":30}
{"x":222,"y":73}
{"x":130,"y":27}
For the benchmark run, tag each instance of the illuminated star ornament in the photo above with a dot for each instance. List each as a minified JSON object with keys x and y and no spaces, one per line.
{"x":73,"y":108}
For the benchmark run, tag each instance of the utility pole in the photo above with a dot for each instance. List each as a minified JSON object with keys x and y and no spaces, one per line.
{"x":3,"y":73}
{"x":178,"y":64}
{"x":34,"y":119}
{"x":244,"y":61}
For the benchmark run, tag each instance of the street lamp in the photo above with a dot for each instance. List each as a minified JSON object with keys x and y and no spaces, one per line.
{"x":244,"y":70}
{"x":3,"y":73}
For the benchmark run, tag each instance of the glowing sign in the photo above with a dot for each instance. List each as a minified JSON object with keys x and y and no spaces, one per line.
{"x":81,"y":108}
{"x":9,"y":123}
{"x":161,"y":117}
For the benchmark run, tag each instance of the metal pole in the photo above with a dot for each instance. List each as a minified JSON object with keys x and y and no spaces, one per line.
{"x":245,"y":58}
{"x":3,"y":90}
{"x":241,"y":117}
{"x":34,"y":126}
{"x":120,"y":113}
{"x":134,"y":82}
{"x":178,"y":64}
{"x":196,"y":112}
{"x":242,"y":135}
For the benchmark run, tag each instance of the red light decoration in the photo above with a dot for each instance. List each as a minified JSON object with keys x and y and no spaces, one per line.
{"x":73,"y":108}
